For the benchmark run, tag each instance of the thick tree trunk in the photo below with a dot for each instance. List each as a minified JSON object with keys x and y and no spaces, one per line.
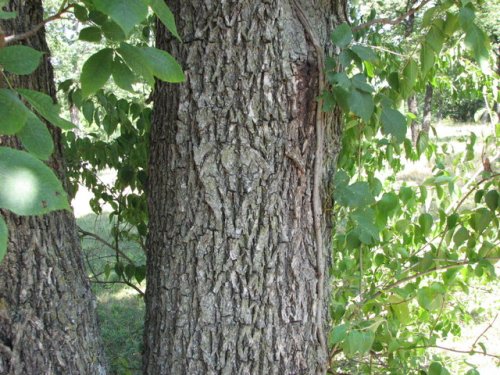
{"x":234,"y":283}
{"x":47,"y":312}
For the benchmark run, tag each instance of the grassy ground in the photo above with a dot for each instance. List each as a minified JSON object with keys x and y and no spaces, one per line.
{"x":121,"y":309}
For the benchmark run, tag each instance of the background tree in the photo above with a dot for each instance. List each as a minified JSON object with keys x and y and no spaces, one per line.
{"x":47,"y":312}
{"x":239,"y":230}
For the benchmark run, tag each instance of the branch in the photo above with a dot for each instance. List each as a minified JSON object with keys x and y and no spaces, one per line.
{"x":103,"y":241}
{"x":390,"y":21}
{"x":96,"y":281}
{"x":485,"y":330}
{"x":28,"y":34}
{"x":409,"y":278}
{"x":497,"y":356}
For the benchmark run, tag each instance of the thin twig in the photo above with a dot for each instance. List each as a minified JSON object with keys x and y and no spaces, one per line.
{"x":28,"y":34}
{"x":390,"y":21}
{"x":409,"y":278}
{"x":103,"y":241}
{"x":383,"y":49}
{"x":96,"y":281}
{"x":497,"y":356}
{"x":485,"y":330}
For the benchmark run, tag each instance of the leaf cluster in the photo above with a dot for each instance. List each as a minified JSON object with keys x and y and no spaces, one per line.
{"x":402,"y":250}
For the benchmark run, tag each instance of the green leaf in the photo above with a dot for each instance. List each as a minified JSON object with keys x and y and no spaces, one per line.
{"x":126,"y":14}
{"x":480,"y":219}
{"x":435,"y":368}
{"x":81,"y":13}
{"x":339,"y":79}
{"x":422,"y":142}
{"x":361,"y":104}
{"x":425,"y":220}
{"x":466,"y":17}
{"x":393,"y":123}
{"x":163,"y":65}
{"x":400,"y":308}
{"x":388,"y":203}
{"x":20,"y":59}
{"x":461,"y":235}
{"x":129,"y":271}
{"x":364,"y":53}
{"x":88,"y":111}
{"x":428,"y":16}
{"x":479,"y":195}
{"x":126,"y":174}
{"x":28,"y":186}
{"x":491,"y":198}
{"x":477,"y":41}
{"x":435,"y":38}
{"x":36,"y":138}
{"x":96,"y":71}
{"x":359,"y":82}
{"x":112,"y":31}
{"x":165,"y":15}
{"x":452,"y":220}
{"x":429,"y":298}
{"x":338,"y":334}
{"x":341,"y":98}
{"x":355,"y":195}
{"x":122,"y":75}
{"x":450,"y":24}
{"x":44,"y":105}
{"x":13,"y":113}
{"x":97,"y":17}
{"x":358,"y":342}
{"x":342,"y":35}
{"x":410,"y":73}
{"x":90,"y":34}
{"x":4,"y":237}
{"x":427,"y":58}
{"x":119,"y":268}
{"x":140,"y":273}
{"x":366,"y":230}
{"x":406,"y":194}
{"x":136,"y":60}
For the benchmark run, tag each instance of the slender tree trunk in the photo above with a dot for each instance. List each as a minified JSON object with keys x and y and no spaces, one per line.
{"x":234,"y":283}
{"x":47,"y":312}
{"x":427,"y":111}
{"x":413,"y":108}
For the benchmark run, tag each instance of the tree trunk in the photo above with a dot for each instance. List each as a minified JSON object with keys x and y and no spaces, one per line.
{"x":235,"y":271}
{"x":413,"y":108}
{"x":427,"y":111}
{"x":48,"y":323}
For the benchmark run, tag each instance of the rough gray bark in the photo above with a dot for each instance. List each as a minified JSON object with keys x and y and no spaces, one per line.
{"x":47,"y":312}
{"x":232,"y":261}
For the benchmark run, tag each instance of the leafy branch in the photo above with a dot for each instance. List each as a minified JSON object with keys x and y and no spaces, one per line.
{"x":390,"y":21}
{"x":497,"y":356}
{"x":423,"y":273}
{"x":104,"y":242}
